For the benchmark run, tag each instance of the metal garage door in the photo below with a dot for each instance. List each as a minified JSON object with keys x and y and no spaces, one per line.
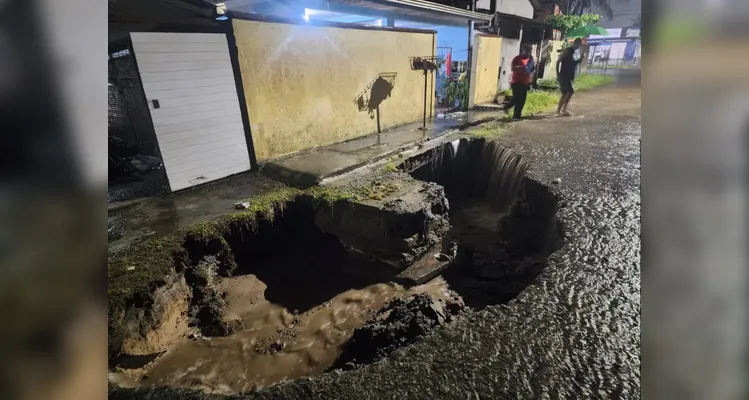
{"x":189,"y":84}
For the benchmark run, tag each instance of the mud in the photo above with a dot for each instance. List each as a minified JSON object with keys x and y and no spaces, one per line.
{"x":275,"y":343}
{"x":156,"y":329}
{"x":574,"y":331}
{"x":287,"y":299}
{"x":264,"y":303}
{"x":400,"y":322}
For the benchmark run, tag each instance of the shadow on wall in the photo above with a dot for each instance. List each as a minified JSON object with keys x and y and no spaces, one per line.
{"x":374,"y":94}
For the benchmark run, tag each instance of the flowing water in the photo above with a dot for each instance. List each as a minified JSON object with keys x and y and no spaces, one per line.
{"x":574,"y":333}
{"x":500,"y":253}
{"x":276,"y":344}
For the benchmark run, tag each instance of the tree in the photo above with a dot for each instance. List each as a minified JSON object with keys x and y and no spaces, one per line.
{"x":566,"y":23}
{"x":578,"y":7}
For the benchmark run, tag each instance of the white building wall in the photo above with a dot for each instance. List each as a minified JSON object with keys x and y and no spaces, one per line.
{"x":617,"y":50}
{"x":483,"y":4}
{"x":199,"y":123}
{"x":522,"y":8}
{"x":510,"y":49}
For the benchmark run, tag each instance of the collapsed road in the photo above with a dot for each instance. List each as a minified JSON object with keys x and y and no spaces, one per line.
{"x":563,"y":326}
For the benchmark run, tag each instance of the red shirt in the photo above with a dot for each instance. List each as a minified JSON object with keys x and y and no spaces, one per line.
{"x":519,"y":72}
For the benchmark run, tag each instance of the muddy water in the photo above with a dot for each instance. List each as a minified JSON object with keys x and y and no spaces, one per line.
{"x":575,"y":332}
{"x":276,"y":344}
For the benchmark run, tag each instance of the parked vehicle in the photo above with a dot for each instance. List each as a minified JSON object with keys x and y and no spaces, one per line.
{"x":600,"y":55}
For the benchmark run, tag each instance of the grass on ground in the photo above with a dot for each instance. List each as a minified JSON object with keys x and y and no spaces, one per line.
{"x":547,"y":96}
{"x":135,"y":271}
{"x":376,"y":190}
{"x":392,"y":164}
{"x":488,"y":131}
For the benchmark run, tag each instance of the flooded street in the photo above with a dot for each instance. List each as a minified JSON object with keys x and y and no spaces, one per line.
{"x":575,"y":332}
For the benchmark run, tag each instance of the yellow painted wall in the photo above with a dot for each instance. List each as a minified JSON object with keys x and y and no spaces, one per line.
{"x":487,"y":51}
{"x":301,"y":82}
{"x":550,"y":71}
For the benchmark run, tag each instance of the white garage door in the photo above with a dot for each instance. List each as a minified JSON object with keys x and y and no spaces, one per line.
{"x":189,"y":84}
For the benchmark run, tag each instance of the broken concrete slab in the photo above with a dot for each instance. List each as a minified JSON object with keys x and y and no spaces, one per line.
{"x":396,"y":222}
{"x":423,"y":270}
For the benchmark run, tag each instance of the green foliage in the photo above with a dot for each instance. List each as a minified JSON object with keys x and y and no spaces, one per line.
{"x":548,"y":84}
{"x":567,"y":23}
{"x":578,"y":7}
{"x":390,"y":167}
{"x":377,"y":190}
{"x":392,"y":164}
{"x":458,"y":91}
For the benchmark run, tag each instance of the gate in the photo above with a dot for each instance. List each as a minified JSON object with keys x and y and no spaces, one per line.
{"x":134,"y":155}
{"x":447,"y":73}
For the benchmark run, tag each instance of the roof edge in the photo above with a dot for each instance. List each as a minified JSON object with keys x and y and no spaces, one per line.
{"x":322,"y":24}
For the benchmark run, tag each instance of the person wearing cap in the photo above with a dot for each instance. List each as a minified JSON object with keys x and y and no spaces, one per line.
{"x":566,"y":68}
{"x":521,"y":79}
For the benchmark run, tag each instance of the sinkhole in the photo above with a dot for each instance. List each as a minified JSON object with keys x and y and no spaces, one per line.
{"x":308,"y":289}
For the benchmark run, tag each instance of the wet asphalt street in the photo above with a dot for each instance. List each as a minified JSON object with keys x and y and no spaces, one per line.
{"x":575,"y":332}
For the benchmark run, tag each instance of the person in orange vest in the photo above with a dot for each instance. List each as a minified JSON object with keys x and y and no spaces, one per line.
{"x":521,"y":79}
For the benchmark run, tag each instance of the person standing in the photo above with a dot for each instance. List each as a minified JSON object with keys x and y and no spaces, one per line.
{"x":521,"y":79}
{"x":566,"y":68}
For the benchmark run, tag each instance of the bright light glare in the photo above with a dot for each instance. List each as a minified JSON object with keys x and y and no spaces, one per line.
{"x":306,"y":14}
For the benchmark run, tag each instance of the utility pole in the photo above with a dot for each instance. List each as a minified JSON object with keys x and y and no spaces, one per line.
{"x":470,"y":50}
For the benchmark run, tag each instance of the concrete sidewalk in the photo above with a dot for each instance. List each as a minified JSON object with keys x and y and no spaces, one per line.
{"x":133,"y":221}
{"x":138,"y":220}
{"x":311,"y":167}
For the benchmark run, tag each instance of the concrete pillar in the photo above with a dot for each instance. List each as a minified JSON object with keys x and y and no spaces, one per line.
{"x":521,"y":34}
{"x":469,"y":61}
{"x":471,"y":75}
{"x":391,"y":22}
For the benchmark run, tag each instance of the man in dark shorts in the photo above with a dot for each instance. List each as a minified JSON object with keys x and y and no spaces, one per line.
{"x":566,"y":67}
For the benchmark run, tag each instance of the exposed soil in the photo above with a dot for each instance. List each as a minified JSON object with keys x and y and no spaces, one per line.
{"x":283,"y":299}
{"x":401,"y":322}
{"x":276,"y":344}
{"x":574,"y":332}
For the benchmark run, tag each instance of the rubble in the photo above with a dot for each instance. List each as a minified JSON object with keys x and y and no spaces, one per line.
{"x":401,"y":322}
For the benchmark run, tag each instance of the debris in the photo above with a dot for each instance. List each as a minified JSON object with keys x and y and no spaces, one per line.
{"x":276,"y":346}
{"x":242,"y":205}
{"x":557,"y":181}
{"x":131,"y":268}
{"x":143,"y":163}
{"x":396,"y":325}
{"x":443,"y":257}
